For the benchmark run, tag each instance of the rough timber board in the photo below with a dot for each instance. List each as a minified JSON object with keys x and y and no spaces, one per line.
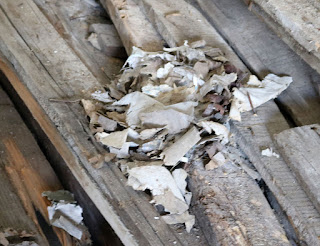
{"x":65,"y":124}
{"x":297,"y":23}
{"x":134,"y":29}
{"x":26,"y":166}
{"x":263,"y":52}
{"x":13,"y":214}
{"x":300,"y":148}
{"x":72,"y":20}
{"x":253,"y":133}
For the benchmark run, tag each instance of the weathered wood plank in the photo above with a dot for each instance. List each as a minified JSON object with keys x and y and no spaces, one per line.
{"x":66,"y":126}
{"x":178,"y":21}
{"x":17,"y":210}
{"x":300,"y":148}
{"x":72,"y":20}
{"x":263,"y":52}
{"x":253,"y":133}
{"x":297,"y":23}
{"x":133,"y":27}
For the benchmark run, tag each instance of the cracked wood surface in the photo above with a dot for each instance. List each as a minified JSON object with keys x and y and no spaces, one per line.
{"x":300,"y":148}
{"x":30,"y":44}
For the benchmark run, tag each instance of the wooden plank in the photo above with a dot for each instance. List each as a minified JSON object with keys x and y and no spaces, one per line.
{"x":178,"y":21}
{"x":72,"y":19}
{"x":300,"y":148}
{"x":263,"y":52}
{"x":20,"y":197}
{"x":297,"y":23}
{"x":130,"y":215}
{"x":253,"y":133}
{"x":133,"y":27}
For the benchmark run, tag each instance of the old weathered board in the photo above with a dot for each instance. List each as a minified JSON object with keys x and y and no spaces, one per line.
{"x":133,"y":27}
{"x":72,"y":20}
{"x":300,"y":148}
{"x":30,"y":44}
{"x":297,"y":23}
{"x":26,"y":167}
{"x":263,"y":52}
{"x":254,"y":132}
{"x":14,"y":214}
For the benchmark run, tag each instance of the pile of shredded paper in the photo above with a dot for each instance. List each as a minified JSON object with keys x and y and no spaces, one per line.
{"x":165,"y":105}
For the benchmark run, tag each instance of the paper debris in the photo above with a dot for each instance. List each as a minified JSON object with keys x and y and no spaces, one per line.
{"x":219,"y":129}
{"x":269,"y":152}
{"x":102,"y":96}
{"x":11,"y":236}
{"x":165,"y":191}
{"x":185,"y":218}
{"x":114,"y":139}
{"x":65,"y":213}
{"x":269,"y":88}
{"x":107,"y":124}
{"x":172,"y":107}
{"x":177,"y":150}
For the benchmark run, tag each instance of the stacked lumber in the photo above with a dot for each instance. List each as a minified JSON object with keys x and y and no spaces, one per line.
{"x":54,"y":73}
{"x":297,"y":23}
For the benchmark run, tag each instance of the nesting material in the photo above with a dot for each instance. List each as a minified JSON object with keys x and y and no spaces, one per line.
{"x":168,"y":107}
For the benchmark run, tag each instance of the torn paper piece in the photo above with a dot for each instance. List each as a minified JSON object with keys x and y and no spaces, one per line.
{"x":88,"y":106}
{"x":139,"y":103}
{"x":173,"y":154}
{"x":124,"y":151}
{"x":67,"y":217}
{"x":102,"y":96}
{"x":114,"y":139}
{"x":216,"y":161}
{"x":60,"y":195}
{"x":161,"y":184}
{"x":93,"y":40}
{"x":219,"y":129}
{"x":164,"y":71}
{"x":155,"y":90}
{"x":185,"y":218}
{"x":217,"y":80}
{"x":65,"y":214}
{"x":271,"y":87}
{"x":269,"y":152}
{"x":149,"y":133}
{"x":170,"y":119}
{"x":180,"y":176}
{"x":186,"y":107}
{"x":107,"y":124}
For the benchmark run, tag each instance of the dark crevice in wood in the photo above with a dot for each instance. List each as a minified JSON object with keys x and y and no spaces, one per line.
{"x":101,"y":232}
{"x":280,"y":214}
{"x":286,"y":114}
{"x":47,"y":230}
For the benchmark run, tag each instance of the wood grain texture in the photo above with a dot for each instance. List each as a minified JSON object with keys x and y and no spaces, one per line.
{"x":297,"y":23}
{"x":130,"y":215}
{"x":21,"y":168}
{"x":264,"y":52}
{"x":133,"y":27}
{"x":72,"y":20}
{"x":253,"y":133}
{"x":300,"y":148}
